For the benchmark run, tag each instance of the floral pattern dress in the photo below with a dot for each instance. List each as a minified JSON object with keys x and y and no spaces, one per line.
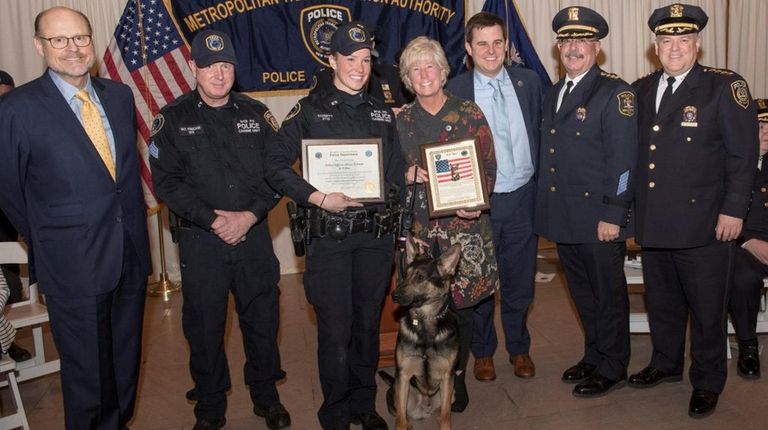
{"x":477,"y":275}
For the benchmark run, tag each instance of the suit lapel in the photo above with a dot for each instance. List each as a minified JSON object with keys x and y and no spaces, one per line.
{"x":682,"y":94}
{"x":69,"y":124}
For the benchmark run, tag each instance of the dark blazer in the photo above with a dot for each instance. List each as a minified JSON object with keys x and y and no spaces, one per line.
{"x":528,"y":90}
{"x":588,"y":153}
{"x":696,"y":157}
{"x":756,"y":225}
{"x":60,"y":196}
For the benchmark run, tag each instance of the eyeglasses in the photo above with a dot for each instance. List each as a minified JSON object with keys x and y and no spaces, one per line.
{"x":61,"y":42}
{"x":577,"y":42}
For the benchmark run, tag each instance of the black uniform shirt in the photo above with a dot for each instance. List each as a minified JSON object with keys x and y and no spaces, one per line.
{"x":206,"y":158}
{"x":328,"y":115}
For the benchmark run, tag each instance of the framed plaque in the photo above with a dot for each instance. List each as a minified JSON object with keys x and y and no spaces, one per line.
{"x":350,"y":166}
{"x":456,"y":177}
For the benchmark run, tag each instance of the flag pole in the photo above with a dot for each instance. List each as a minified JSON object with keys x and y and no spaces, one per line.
{"x":164,"y":287}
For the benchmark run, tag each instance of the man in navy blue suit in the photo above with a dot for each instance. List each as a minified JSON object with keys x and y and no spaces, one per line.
{"x":70,"y":185}
{"x":512,"y":199}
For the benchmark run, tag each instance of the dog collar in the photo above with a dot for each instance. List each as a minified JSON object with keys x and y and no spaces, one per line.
{"x":419,"y":316}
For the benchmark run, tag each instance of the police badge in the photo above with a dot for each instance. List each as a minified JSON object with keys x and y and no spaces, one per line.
{"x":581,"y":114}
{"x":689,"y":117}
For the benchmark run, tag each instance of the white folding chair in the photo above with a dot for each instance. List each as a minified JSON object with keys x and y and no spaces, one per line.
{"x":28,"y":313}
{"x":19,"y":417}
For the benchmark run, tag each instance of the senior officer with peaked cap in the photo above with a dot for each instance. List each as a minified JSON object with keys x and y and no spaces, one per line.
{"x":751,"y":262}
{"x":696,"y":165}
{"x":587,"y":156}
{"x":207,"y":156}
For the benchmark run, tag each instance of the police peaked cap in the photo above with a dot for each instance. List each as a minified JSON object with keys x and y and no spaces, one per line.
{"x":762,"y":110}
{"x":677,"y":19}
{"x":211,"y":46}
{"x":578,"y":22}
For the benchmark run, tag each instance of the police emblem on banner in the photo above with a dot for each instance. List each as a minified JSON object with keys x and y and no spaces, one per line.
{"x":318,"y":23}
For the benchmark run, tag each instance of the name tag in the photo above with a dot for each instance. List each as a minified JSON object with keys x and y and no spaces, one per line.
{"x":192,"y":130}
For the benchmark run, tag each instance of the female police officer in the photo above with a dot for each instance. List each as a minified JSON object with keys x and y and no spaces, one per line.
{"x":345,"y":280}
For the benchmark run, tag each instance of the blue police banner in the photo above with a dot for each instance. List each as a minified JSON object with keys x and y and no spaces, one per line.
{"x":280,"y":44}
{"x":518,"y":36}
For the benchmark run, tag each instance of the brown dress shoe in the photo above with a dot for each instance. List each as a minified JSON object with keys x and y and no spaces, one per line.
{"x":484,"y":369}
{"x":524,"y":367}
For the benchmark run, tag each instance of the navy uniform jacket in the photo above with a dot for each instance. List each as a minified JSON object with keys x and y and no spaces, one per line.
{"x":756,"y":225}
{"x":328,"y":115}
{"x":588,"y":153}
{"x":60,"y":196}
{"x":206,"y":158}
{"x":528,"y":90}
{"x":696,"y":158}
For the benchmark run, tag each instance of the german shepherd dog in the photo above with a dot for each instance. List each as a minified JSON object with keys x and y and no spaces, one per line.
{"x":428,"y":340}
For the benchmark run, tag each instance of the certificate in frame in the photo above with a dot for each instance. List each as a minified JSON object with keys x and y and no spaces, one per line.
{"x":350,"y":166}
{"x":456,"y":177}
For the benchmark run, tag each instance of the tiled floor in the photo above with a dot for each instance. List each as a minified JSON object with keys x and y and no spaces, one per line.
{"x":507,"y":403}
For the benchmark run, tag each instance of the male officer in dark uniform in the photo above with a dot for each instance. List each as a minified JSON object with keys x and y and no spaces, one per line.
{"x":751,"y":262}
{"x":346,"y":275}
{"x":588,"y":152}
{"x":384,"y":84}
{"x":696,"y":166}
{"x":207,"y":156}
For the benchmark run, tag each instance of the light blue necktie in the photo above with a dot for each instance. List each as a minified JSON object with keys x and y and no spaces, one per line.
{"x":505,"y":160}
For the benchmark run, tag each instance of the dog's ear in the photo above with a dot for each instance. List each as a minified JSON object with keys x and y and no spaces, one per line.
{"x":449,"y":260}
{"x":411,"y":249}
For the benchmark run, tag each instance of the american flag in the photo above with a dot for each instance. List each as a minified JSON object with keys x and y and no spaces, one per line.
{"x":148,"y":54}
{"x":453,"y":169}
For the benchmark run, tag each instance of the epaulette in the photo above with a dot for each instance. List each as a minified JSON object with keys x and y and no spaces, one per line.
{"x":609,"y":75}
{"x":725,"y":72}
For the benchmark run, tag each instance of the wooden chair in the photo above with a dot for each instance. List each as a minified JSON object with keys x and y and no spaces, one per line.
{"x":28,"y":313}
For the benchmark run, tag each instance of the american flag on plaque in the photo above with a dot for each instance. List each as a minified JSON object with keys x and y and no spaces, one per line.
{"x":148,"y":53}
{"x":454,"y":167}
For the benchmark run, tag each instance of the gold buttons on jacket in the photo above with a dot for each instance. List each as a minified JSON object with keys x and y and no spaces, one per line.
{"x":552,"y":188}
{"x":552,"y":131}
{"x":653,"y":147}
{"x":763,"y":189}
{"x":656,"y":128}
{"x":586,"y":194}
{"x":688,"y":139}
{"x":578,"y":133}
{"x":652,"y":166}
{"x":651,"y":184}
{"x":551,"y":170}
{"x":551,"y":150}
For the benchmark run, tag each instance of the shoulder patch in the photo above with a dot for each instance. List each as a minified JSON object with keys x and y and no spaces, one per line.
{"x":609,"y":75}
{"x":626,"y":103}
{"x":157,"y":124}
{"x":294,"y":111}
{"x":740,"y":93}
{"x":271,"y":120}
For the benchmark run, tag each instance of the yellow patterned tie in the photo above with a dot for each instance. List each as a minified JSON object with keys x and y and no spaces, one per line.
{"x":94,"y":127}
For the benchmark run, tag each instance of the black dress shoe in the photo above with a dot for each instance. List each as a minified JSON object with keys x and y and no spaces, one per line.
{"x":578,"y":372}
{"x":209,"y":423}
{"x":651,"y":377}
{"x":748,"y":365}
{"x":276,"y":416}
{"x":702,"y":404}
{"x":18,"y":353}
{"x":598,"y":385}
{"x":370,"y":421}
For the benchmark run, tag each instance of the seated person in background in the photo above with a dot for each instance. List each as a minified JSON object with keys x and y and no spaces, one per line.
{"x":751,"y":262}
{"x":7,"y":332}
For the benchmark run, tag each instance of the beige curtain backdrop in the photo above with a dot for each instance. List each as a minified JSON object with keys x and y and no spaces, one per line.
{"x":734,"y":38}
